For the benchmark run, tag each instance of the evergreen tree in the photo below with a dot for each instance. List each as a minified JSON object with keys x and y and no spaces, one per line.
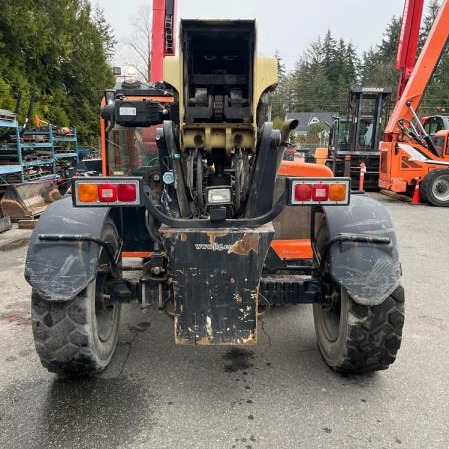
{"x":436,"y":98}
{"x":281,"y":99}
{"x":54,"y":50}
{"x":379,"y":63}
{"x":323,"y":75}
{"x":106,"y":32}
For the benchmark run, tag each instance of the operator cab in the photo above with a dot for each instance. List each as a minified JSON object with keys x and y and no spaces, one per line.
{"x":441,"y":140}
{"x":133,"y":110}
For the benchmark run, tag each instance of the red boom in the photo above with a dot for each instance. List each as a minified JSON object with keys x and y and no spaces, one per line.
{"x":408,"y":41}
{"x":162,"y":37}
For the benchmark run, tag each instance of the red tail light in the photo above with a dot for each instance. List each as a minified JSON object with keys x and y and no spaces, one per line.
{"x":320,"y":192}
{"x":107,"y":193}
{"x":303,"y":192}
{"x":127,"y":192}
{"x":327,"y":191}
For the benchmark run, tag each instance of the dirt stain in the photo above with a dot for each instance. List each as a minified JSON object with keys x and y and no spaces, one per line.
{"x":239,"y":360}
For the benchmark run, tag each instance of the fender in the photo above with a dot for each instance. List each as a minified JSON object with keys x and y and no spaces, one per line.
{"x":59,"y":270}
{"x":369,"y":272}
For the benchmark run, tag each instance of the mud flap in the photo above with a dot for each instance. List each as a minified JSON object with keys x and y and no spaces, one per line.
{"x":369,"y":272}
{"x":216,"y":278}
{"x":59,"y":270}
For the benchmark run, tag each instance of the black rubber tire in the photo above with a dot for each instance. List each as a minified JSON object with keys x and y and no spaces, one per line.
{"x":365,"y":338}
{"x":77,"y":337}
{"x":434,"y":188}
{"x":354,"y":338}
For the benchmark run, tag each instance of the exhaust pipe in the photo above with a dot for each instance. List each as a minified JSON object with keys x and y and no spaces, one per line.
{"x":285,"y":131}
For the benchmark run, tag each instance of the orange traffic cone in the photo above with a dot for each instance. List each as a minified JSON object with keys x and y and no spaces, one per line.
{"x":416,"y":199}
{"x":362,"y":176}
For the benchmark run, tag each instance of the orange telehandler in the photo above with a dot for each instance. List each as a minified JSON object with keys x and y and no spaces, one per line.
{"x":408,"y":154}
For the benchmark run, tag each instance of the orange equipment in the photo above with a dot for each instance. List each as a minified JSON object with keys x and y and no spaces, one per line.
{"x":408,"y":154}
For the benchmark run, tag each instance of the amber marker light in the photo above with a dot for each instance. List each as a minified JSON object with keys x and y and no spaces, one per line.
{"x":337,"y":192}
{"x":87,"y":193}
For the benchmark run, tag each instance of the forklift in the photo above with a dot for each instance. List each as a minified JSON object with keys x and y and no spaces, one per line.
{"x":415,"y":156}
{"x":354,"y":138}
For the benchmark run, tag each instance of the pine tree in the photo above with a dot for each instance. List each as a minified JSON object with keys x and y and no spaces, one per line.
{"x":106,"y":32}
{"x":323,"y":75}
{"x":54,"y":50}
{"x":281,"y":99}
{"x":379,"y":63}
{"x":436,"y":98}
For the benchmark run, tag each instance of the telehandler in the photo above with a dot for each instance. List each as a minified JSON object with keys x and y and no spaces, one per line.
{"x":221,"y":223}
{"x":410,"y":158}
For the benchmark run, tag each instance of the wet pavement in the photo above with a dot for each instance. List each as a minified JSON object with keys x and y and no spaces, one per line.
{"x":279,"y":394}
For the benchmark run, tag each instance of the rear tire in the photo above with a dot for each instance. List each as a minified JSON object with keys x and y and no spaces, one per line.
{"x":435,"y":188}
{"x":354,"y":338}
{"x":78,"y":337}
{"x":358,"y":339}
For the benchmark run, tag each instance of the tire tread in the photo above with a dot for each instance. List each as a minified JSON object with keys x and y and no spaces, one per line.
{"x":374,"y":341}
{"x":62,"y":342}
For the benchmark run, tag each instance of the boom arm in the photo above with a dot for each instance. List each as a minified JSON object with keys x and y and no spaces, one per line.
{"x":422,"y":72}
{"x":162,"y":37}
{"x":408,"y":42}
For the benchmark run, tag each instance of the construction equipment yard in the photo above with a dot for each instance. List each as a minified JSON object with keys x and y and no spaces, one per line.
{"x":235,"y":254}
{"x":278,"y":394}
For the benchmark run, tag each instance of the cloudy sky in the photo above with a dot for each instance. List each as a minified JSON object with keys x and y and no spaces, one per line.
{"x":286,"y":26}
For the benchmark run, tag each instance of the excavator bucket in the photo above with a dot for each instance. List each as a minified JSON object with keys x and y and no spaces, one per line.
{"x":5,"y":222}
{"x":28,"y":200}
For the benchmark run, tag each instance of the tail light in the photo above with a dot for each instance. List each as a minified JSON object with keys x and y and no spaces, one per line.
{"x":326,"y":191}
{"x":106,"y":191}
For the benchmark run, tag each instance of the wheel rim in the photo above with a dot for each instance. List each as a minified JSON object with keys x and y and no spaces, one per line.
{"x":104,"y":311}
{"x":331,"y":316}
{"x":440,"y":188}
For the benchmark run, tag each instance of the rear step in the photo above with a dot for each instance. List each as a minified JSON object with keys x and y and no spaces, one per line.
{"x":290,"y":289}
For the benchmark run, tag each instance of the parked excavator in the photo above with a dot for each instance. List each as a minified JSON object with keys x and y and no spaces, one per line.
{"x":222,"y":225}
{"x":410,"y":157}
